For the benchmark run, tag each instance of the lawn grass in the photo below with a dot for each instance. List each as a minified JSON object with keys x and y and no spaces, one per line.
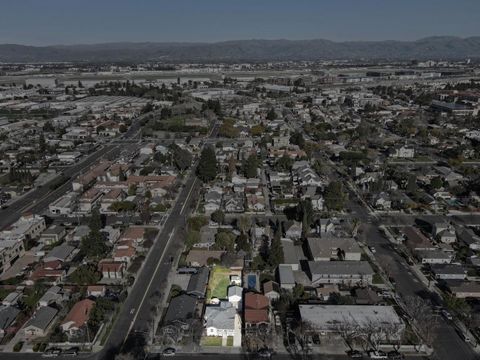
{"x":230,"y":341}
{"x":219,"y":282}
{"x":211,"y":341}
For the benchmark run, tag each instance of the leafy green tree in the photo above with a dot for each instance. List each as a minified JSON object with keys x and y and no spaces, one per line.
{"x":412,"y":187}
{"x":271,"y":115}
{"x":297,"y":139}
{"x":250,"y":166}
{"x":242,"y":243}
{"x":218,"y":216}
{"x":207,"y":166}
{"x":335,"y":197}
{"x":224,"y":240}
{"x":86,"y":275}
{"x":436,"y":182}
{"x":285,"y":163}
{"x":132,"y":190}
{"x":182,"y":158}
{"x":276,"y":255}
{"x":305,"y":214}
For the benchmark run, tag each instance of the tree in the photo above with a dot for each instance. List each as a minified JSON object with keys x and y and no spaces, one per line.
{"x":93,"y":245}
{"x":244,"y":223}
{"x":436,"y":182}
{"x":86,"y":275}
{"x":224,"y":240}
{"x":305,"y":214}
{"x":207,"y":166}
{"x":132,"y":190}
{"x":285,"y":163}
{"x":271,"y":115}
{"x":242,"y":243}
{"x":42,"y":146}
{"x":335,"y":196}
{"x":276,"y":255}
{"x":250,"y":166}
{"x":218,"y":216}
{"x":297,"y":139}
{"x":257,"y":130}
{"x":232,"y":165}
{"x":182,"y":158}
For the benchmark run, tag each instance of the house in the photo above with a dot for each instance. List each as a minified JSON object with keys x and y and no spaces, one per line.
{"x":11,"y":299}
{"x":38,"y":325}
{"x":220,"y":319}
{"x":382,"y":201}
{"x":233,"y":203}
{"x":325,"y":226}
{"x":135,"y":234}
{"x":340,"y":272}
{"x":96,"y":290}
{"x":256,"y":310}
{"x":53,"y":235}
{"x":285,"y":277}
{"x":328,"y":248}
{"x":199,"y":258}
{"x":255,"y":203}
{"x":464,"y":289}
{"x":330,"y":319}
{"x":449,"y":271}
{"x":207,"y":237}
{"x":197,"y":285}
{"x":235,"y":295}
{"x":54,"y":295}
{"x":213,"y":200}
{"x":111,"y":269}
{"x":403,"y":152}
{"x":293,"y":254}
{"x":366,"y":296}
{"x":324,"y":292}
{"x":416,"y":241}
{"x":434,"y":257}
{"x":271,"y":290}
{"x":63,"y":253}
{"x":8,"y":315}
{"x":294,"y":231}
{"x":124,"y":252}
{"x":181,"y":313}
{"x":468,"y":237}
{"x":447,"y":236}
{"x":78,"y":317}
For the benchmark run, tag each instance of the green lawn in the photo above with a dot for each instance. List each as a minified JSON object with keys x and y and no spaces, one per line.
{"x":230,"y":341}
{"x":211,"y":341}
{"x":219,"y":282}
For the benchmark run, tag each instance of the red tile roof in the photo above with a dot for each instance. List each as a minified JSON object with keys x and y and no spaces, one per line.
{"x":79,"y":313}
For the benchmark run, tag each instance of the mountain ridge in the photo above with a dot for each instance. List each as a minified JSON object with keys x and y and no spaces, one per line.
{"x":434,"y":47}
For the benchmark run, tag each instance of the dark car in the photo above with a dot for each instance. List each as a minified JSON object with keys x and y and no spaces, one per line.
{"x":355,"y":354}
{"x":169,"y":351}
{"x":264,"y":353}
{"x":73,"y":351}
{"x":395,"y":355}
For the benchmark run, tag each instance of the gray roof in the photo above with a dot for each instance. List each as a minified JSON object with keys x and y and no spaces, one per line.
{"x":60,"y":252}
{"x":285,"y":274}
{"x":451,"y":269}
{"x":8,"y":315}
{"x":328,"y":317}
{"x":235,"y":290}
{"x":198,"y":282}
{"x":292,"y":253}
{"x":220,"y":317}
{"x":42,"y":317}
{"x":323,"y":247}
{"x":181,"y":308}
{"x":340,"y":267}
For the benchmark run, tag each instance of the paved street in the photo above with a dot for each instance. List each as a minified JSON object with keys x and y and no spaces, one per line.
{"x":447,"y":345}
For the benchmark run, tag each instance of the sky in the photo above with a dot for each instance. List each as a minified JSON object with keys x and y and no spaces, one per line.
{"x":53,"y":22}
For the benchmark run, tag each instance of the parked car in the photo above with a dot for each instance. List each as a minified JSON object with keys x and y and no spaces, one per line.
{"x":52,"y":352}
{"x":73,"y":351}
{"x":395,"y":355}
{"x":169,"y":352}
{"x":377,"y":354}
{"x":355,"y":354}
{"x":264,"y":353}
{"x":446,"y":314}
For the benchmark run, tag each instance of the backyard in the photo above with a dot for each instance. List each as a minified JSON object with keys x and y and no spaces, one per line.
{"x":218,"y":283}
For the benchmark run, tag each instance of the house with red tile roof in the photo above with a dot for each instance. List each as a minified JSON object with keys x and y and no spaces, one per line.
{"x":111,"y":269}
{"x":256,"y":309}
{"x":78,"y":317}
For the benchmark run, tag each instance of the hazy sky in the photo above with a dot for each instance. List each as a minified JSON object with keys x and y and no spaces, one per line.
{"x":46,"y":22}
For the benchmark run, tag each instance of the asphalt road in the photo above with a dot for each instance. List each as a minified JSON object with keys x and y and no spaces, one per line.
{"x":447,"y":344}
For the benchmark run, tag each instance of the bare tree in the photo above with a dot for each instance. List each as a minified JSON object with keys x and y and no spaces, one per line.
{"x":423,"y":317}
{"x":349,"y":331}
{"x":303,"y":330}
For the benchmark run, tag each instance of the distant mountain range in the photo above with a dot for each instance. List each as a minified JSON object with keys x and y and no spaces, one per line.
{"x":438,"y":47}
